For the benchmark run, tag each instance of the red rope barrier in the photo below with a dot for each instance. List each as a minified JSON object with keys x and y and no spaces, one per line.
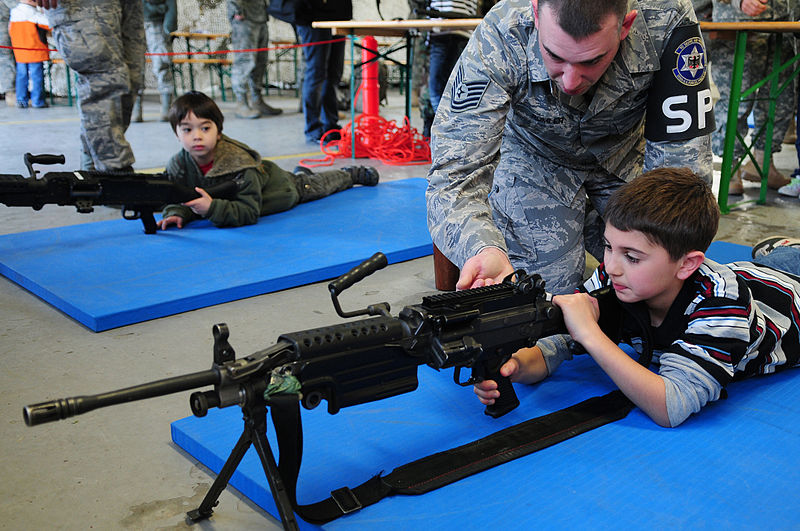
{"x":375,"y":138}
{"x":209,"y":52}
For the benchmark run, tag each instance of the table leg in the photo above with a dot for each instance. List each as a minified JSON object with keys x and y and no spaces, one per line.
{"x":352,"y":96}
{"x":726,"y":171}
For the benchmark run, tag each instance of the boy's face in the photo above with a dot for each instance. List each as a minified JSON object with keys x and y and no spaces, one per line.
{"x":641,"y":270}
{"x":199,"y":137}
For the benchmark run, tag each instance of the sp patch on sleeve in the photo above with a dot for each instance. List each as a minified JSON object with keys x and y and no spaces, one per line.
{"x":679,"y":105}
{"x":466,"y":95}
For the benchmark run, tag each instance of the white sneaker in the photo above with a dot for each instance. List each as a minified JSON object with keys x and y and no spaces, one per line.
{"x":767,"y":245}
{"x":791,"y":189}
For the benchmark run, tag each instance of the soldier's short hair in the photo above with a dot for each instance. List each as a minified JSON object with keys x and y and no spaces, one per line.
{"x":581,"y":18}
{"x":198,"y":103}
{"x":672,"y":207}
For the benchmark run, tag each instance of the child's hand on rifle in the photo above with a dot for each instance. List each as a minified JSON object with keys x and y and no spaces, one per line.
{"x":200,"y":205}
{"x":525,"y":366}
{"x":171,"y":220}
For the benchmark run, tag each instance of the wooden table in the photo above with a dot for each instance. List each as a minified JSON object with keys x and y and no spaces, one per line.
{"x":737,"y":31}
{"x":409,"y":29}
{"x":215,"y":60}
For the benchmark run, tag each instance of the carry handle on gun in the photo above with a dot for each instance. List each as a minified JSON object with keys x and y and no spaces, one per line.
{"x":44,"y":159}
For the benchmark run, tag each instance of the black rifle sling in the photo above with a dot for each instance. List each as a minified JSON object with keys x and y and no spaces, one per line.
{"x":443,"y":468}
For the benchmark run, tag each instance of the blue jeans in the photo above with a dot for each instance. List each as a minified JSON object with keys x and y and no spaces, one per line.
{"x":34,"y":72}
{"x":784,"y":258}
{"x":324,"y":67}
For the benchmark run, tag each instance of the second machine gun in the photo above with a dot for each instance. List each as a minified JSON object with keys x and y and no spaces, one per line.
{"x":350,"y":363}
{"x":139,"y":194}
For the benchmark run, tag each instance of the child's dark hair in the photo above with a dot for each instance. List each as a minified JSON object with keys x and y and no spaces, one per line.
{"x":673,"y":207}
{"x":198,"y":103}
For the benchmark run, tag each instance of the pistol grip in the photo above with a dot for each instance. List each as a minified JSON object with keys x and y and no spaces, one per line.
{"x":508,"y":397}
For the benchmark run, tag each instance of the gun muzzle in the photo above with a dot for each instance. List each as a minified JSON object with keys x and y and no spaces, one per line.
{"x":53,"y":410}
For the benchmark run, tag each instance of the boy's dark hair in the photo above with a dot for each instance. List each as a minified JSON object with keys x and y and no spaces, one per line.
{"x":198,"y":103}
{"x":673,"y":207}
{"x":581,"y":18}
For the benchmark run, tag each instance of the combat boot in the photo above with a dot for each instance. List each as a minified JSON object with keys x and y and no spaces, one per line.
{"x":735,"y":185}
{"x":363,"y":175}
{"x":257,"y":103}
{"x":243,"y":110}
{"x":166,"y":101}
{"x":136,"y":111}
{"x":775,"y":179}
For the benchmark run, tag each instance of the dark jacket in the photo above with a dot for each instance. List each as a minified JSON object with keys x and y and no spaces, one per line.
{"x":309,"y":11}
{"x":264,"y":188}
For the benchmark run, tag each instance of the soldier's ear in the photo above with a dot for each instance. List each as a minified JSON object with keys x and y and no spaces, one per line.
{"x":535,"y":4}
{"x":627,"y":23}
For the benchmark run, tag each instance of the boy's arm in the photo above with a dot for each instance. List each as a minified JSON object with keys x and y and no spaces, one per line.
{"x":245,"y":209}
{"x":643,"y":387}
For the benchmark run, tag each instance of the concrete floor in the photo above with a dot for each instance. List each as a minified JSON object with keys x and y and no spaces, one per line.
{"x":117,"y":467}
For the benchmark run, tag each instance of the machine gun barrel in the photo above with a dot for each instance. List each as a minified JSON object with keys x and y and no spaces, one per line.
{"x":63,"y":408}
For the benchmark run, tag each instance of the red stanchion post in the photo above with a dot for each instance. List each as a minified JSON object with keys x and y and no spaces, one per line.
{"x":369,"y":76}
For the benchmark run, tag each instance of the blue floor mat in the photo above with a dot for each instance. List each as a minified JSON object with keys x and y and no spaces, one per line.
{"x":731,"y":467}
{"x":109,"y":273}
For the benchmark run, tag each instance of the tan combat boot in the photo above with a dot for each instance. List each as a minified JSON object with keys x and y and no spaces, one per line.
{"x":775,"y":179}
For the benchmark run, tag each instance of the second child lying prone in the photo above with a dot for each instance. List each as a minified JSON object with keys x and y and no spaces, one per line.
{"x":208,"y":158}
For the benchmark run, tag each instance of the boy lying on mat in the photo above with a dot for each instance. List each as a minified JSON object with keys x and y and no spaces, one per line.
{"x":707,"y":324}
{"x":209,"y":158}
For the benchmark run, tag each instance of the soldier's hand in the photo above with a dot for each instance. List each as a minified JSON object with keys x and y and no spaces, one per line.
{"x":490,"y":266}
{"x":753,"y":8}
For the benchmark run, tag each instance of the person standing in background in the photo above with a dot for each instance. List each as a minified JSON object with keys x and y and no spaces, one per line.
{"x":28,"y":30}
{"x":160,"y":19}
{"x":445,"y":49}
{"x":324,"y":65}
{"x":249,"y":31}
{"x":103,"y":42}
{"x":757,"y":64}
{"x":8,"y":67}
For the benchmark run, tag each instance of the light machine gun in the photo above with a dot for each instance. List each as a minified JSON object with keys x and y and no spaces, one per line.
{"x":347,"y":364}
{"x":139,"y":194}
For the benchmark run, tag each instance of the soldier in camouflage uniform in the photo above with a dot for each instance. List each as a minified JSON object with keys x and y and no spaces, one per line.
{"x":160,"y":19}
{"x":103,"y":42}
{"x":8,"y":66}
{"x":249,"y":31}
{"x":757,"y":65}
{"x":522,"y":138}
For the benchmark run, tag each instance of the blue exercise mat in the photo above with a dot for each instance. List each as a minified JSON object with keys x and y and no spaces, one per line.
{"x":731,"y":467}
{"x":110,"y":273}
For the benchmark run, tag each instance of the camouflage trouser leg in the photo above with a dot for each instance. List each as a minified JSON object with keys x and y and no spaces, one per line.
{"x":757,"y":65}
{"x":8,"y":66}
{"x":103,"y":42}
{"x":158,"y":42}
{"x":247,"y":72}
{"x":318,"y":185}
{"x":546,"y":228}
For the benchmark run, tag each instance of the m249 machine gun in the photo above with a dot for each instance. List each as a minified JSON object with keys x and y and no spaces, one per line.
{"x":139,"y":194}
{"x":345,"y":364}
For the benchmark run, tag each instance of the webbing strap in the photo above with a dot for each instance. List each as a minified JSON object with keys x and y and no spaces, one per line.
{"x":443,"y":468}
